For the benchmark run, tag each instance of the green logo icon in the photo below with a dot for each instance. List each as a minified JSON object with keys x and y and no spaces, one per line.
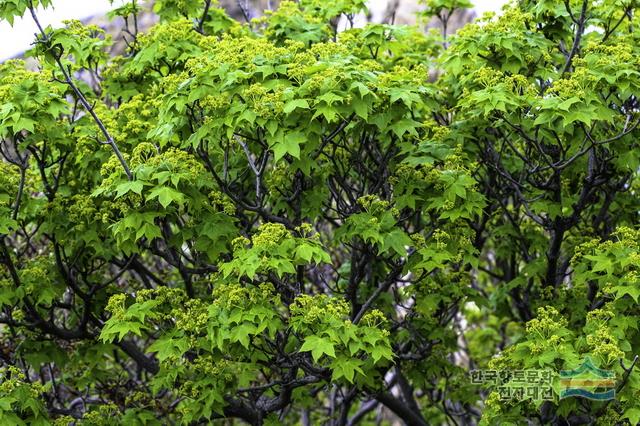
{"x":588,"y":381}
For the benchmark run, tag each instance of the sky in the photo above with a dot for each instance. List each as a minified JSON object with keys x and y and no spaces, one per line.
{"x":19,"y":38}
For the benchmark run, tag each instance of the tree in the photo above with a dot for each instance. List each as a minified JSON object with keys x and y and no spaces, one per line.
{"x":282,"y":223}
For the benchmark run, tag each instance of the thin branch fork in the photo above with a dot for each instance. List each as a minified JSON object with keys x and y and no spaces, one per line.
{"x":257,"y":171}
{"x":200,"y":27}
{"x":22,"y":163}
{"x":69,"y":81}
{"x":244,"y":8}
{"x":576,"y":42}
{"x":627,"y":372}
{"x":623,"y":382}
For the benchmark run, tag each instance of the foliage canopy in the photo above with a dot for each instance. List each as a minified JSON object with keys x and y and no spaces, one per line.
{"x":283,"y":223}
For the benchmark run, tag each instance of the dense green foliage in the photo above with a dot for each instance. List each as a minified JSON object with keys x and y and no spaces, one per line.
{"x":284,"y":223}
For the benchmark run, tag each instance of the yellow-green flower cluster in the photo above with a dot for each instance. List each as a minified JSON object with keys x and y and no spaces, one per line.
{"x":264,"y":102}
{"x":13,"y":72}
{"x":80,"y":210}
{"x":192,"y":316}
{"x":441,"y":238}
{"x":215,"y":102}
{"x":585,"y":248}
{"x":547,"y":322}
{"x":330,"y":78}
{"x":620,"y":52}
{"x":324,"y":51}
{"x":374,"y":205}
{"x":508,"y":21}
{"x":415,"y":76}
{"x":240,"y":53}
{"x":435,"y":130}
{"x":571,"y":86}
{"x":600,"y":316}
{"x":297,"y":66}
{"x":179,"y":162}
{"x":142,"y":152}
{"x":279,"y":177}
{"x":102,"y":416}
{"x":38,"y":276}
{"x":317,"y":309}
{"x":137,"y":398}
{"x":111,"y":210}
{"x":306,"y":230}
{"x":12,"y":378}
{"x":240,"y":243}
{"x":87,"y":43}
{"x":116,"y":305}
{"x":629,"y":235}
{"x":163,"y":295}
{"x":456,"y":161}
{"x":423,"y":175}
{"x":604,"y":344}
{"x":237,"y":295}
{"x":171,"y":82}
{"x":164,"y":35}
{"x":374,"y":318}
{"x":488,"y":76}
{"x":521,"y":85}
{"x":418,"y":240}
{"x":223,"y":202}
{"x":112,"y":171}
{"x":223,"y":373}
{"x":134,"y":119}
{"x":270,"y":235}
{"x":9,"y":179}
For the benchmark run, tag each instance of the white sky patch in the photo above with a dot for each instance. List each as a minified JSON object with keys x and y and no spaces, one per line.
{"x":17,"y":39}
{"x":482,"y":6}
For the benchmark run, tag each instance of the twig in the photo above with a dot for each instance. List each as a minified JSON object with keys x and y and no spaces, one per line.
{"x":252,"y":164}
{"x":576,"y":41}
{"x":365,"y":409}
{"x":391,"y":278}
{"x":207,"y":5}
{"x":625,"y":378}
{"x":627,"y":372}
{"x":245,"y":11}
{"x":16,"y":208}
{"x":81,"y":98}
{"x":615,"y":27}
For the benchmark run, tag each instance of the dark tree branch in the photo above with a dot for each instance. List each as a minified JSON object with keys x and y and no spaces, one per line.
{"x":69,"y":81}
{"x":579,"y":32}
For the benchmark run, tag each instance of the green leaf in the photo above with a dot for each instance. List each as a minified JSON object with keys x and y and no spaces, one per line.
{"x":397,"y":240}
{"x":166,"y":196}
{"x":622,"y":290}
{"x":361,"y":108}
{"x":633,"y":415}
{"x":318,"y":346}
{"x":381,"y":351}
{"x":289,"y":144}
{"x":169,"y":345}
{"x":7,"y":223}
{"x":296,"y":103}
{"x":242,"y":333}
{"x":346,"y":367}
{"x":132,"y":186}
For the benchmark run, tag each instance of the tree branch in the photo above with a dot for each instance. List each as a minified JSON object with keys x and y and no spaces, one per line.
{"x":69,"y":81}
{"x":578,"y":37}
